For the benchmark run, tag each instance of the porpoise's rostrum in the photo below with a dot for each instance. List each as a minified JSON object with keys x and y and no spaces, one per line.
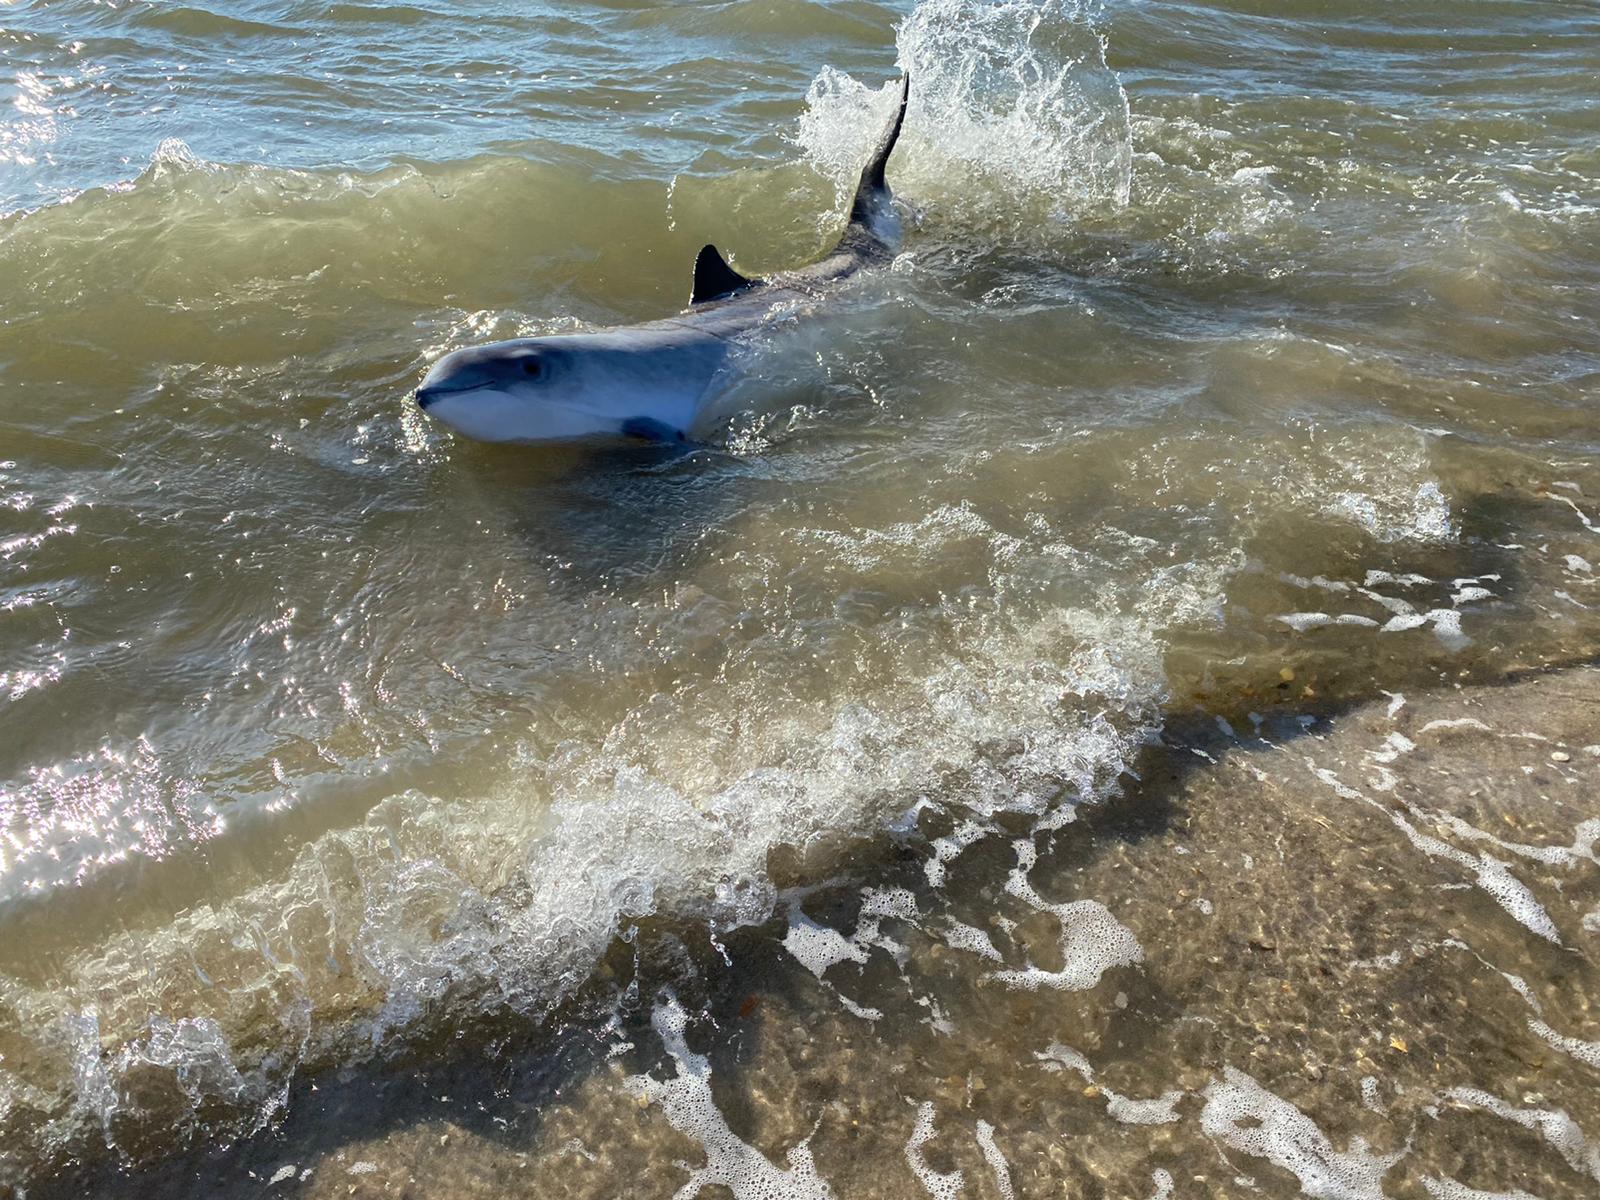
{"x":648,"y":380}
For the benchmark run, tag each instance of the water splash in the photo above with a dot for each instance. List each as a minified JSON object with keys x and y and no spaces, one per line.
{"x":1012,"y":107}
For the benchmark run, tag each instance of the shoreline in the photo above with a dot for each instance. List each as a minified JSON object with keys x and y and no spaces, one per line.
{"x":1373,"y":941}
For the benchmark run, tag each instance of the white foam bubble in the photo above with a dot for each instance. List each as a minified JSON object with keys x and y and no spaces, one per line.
{"x":688,"y":1104}
{"x":1092,"y":940}
{"x":996,"y":1160}
{"x":817,"y":946}
{"x":1441,"y":1188}
{"x":1581,"y":850}
{"x":971,"y":939}
{"x":1588,"y":1052}
{"x":1055,"y":1057}
{"x":1490,"y":874}
{"x":1455,"y":723}
{"x":1371,"y":1097}
{"x":1162,"y":1110}
{"x":945,"y":1185}
{"x":1357,"y":620}
{"x":1447,"y":628}
{"x":1403,"y":622}
{"x":1559,"y":1130}
{"x":1285,"y":1136}
{"x":1300,"y":622}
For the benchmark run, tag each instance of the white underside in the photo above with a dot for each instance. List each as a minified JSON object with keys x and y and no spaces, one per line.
{"x":491,"y":415}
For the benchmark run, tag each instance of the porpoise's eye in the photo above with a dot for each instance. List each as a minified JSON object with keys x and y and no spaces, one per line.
{"x":532,"y":368}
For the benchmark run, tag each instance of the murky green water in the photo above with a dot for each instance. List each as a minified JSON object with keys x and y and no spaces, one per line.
{"x":981,"y":757}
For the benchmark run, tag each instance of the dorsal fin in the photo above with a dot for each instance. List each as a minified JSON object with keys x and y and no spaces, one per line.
{"x":873,"y":190}
{"x":714,"y":279}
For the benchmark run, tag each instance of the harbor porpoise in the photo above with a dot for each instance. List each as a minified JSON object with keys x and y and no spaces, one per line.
{"x":648,"y":380}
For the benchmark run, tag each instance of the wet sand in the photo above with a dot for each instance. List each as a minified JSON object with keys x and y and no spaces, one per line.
{"x":1366,"y":966}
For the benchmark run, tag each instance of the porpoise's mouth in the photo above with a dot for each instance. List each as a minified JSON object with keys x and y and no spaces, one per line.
{"x":430,"y":395}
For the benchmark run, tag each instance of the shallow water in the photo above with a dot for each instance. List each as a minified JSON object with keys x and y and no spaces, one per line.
{"x":1239,"y":372}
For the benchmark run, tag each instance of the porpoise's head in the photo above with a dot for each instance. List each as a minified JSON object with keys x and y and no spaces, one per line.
{"x":499,"y":392}
{"x":550,"y":389}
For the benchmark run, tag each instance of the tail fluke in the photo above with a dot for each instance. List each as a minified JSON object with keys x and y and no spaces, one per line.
{"x":872,"y":195}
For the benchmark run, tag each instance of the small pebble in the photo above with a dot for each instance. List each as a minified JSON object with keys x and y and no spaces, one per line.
{"x":1560,"y":756}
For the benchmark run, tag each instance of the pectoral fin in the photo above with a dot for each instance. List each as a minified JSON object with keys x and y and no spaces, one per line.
{"x":651,"y":430}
